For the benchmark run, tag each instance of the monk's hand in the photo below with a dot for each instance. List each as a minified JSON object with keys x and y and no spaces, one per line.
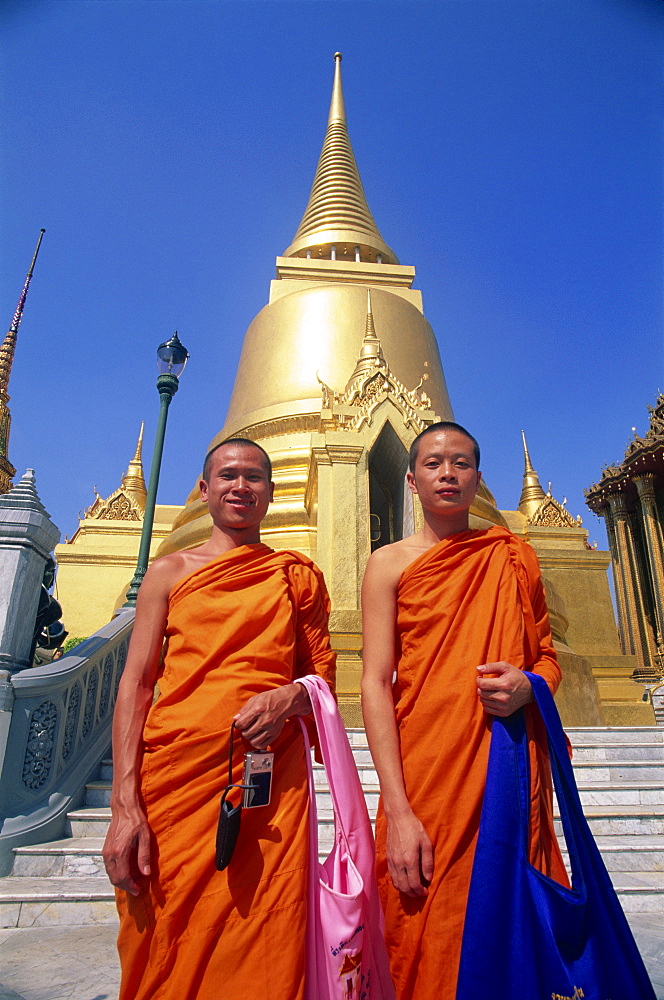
{"x":409,"y":854}
{"x":126,"y":851}
{"x":502,"y":688}
{"x":262,"y":717}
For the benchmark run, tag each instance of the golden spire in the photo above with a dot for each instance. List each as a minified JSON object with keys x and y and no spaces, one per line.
{"x":7,"y":350}
{"x":371,"y":352}
{"x":532,"y":493}
{"x":133,"y":482}
{"x":337,"y":222}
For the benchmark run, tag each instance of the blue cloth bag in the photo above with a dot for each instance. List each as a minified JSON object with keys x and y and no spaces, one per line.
{"x":526,"y":937}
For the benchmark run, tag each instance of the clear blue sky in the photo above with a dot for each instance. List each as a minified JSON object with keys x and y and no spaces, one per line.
{"x":511,"y":151}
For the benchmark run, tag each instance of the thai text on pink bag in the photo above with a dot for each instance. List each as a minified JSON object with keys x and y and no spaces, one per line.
{"x":346,"y":955}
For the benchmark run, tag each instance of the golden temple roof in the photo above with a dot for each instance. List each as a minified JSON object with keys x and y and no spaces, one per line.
{"x":644,"y":454}
{"x":127,"y":503}
{"x":337,"y":221}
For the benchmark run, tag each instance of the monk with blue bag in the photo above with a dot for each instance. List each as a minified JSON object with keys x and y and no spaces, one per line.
{"x":456,"y":640}
{"x":443,"y":609}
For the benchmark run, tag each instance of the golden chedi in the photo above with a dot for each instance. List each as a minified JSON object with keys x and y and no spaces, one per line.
{"x":338,"y":373}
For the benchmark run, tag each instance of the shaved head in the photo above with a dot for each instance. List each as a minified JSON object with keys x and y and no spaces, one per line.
{"x":442,"y":425}
{"x":241,"y":441}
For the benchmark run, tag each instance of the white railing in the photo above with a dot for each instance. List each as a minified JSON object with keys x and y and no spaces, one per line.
{"x":57,"y":729}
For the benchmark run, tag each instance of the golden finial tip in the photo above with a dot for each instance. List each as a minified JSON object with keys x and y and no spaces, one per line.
{"x":338,"y":55}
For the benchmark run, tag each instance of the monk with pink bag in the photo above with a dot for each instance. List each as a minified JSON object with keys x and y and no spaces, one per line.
{"x":346,"y":955}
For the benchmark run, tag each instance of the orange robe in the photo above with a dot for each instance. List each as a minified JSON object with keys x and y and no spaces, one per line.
{"x":473,"y":598}
{"x":250,"y":620}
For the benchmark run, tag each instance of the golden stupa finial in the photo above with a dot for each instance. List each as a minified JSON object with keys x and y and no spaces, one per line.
{"x":337,"y":106}
{"x":532,"y":493}
{"x":371,"y":353}
{"x":133,"y":481}
{"x":337,"y":223}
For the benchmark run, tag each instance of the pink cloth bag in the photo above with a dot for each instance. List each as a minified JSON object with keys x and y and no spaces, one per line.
{"x":346,"y":955}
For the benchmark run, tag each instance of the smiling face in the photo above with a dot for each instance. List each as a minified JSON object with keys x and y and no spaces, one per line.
{"x":237,"y":490}
{"x":445,"y":476}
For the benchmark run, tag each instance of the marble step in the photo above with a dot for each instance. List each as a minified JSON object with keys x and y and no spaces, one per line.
{"x":609,"y":793}
{"x":596,"y":775}
{"x":47,"y":901}
{"x":621,"y":820}
{"x":88,"y":822}
{"x":640,"y":892}
{"x":596,"y":793}
{"x":615,"y":734}
{"x":73,"y":857}
{"x":618,"y":770}
{"x":625,"y":829}
{"x":640,"y":821}
{"x":587,"y":735}
{"x":82,"y":857}
{"x":630,"y":853}
{"x":106,"y":770}
{"x":604,"y":820}
{"x":617,"y":752}
{"x":56,"y":900}
{"x":605,"y":795}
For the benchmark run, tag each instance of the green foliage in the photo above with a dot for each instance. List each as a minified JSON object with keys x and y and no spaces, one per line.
{"x":71,"y":642}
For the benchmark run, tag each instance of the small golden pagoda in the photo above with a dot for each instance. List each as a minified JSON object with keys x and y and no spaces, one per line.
{"x":597,"y":687}
{"x":97,"y":563}
{"x":338,"y":374}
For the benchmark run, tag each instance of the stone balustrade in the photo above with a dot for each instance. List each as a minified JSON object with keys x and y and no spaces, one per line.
{"x":55,"y":728}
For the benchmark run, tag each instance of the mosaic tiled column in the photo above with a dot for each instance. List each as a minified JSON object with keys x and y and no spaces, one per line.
{"x":645,"y":485}
{"x":634,"y":608}
{"x":626,"y":644}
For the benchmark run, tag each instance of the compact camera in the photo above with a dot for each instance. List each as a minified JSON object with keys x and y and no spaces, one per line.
{"x":258,"y":775}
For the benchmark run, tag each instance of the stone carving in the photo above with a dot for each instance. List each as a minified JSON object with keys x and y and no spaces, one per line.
{"x":106,"y":681}
{"x":39,"y":749}
{"x":119,"y":667}
{"x":90,"y":699}
{"x":71,"y":722}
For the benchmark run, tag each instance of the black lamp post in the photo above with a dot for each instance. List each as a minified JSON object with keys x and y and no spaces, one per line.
{"x":171,"y":359}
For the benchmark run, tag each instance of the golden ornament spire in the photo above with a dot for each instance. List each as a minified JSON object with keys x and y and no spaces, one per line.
{"x":133,"y":481}
{"x":532,"y":493}
{"x":7,"y":349}
{"x":371,"y":352}
{"x":337,"y":223}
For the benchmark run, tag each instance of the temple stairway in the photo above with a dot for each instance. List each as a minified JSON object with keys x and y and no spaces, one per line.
{"x":620,"y":772}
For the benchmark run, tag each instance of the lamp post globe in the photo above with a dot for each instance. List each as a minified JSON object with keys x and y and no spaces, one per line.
{"x":172,"y":356}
